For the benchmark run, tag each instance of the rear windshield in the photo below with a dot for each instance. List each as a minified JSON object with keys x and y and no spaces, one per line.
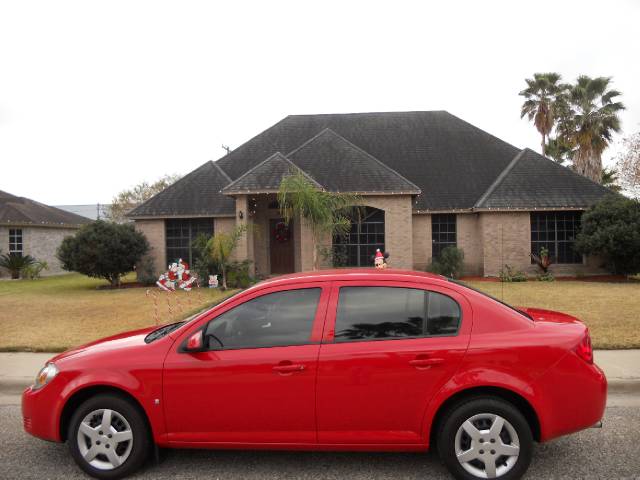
{"x":462,"y":284}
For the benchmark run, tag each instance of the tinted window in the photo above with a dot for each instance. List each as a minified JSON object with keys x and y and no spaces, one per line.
{"x":369,"y":313}
{"x":280,"y":318}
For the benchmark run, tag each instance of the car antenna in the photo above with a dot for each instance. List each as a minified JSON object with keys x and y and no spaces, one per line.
{"x":502,"y":259}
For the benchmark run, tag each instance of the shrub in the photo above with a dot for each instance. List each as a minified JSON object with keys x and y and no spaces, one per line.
{"x":203,"y":263}
{"x":145,"y":271}
{"x":611,"y":228}
{"x":103,"y":250}
{"x":238,"y":274}
{"x":449,"y":263}
{"x":542,"y":259}
{"x":546,"y":277}
{"x":510,"y":274}
{"x":33,"y":271}
{"x":16,"y":263}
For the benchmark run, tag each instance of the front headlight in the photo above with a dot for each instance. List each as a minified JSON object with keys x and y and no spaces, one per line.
{"x":45,"y":375}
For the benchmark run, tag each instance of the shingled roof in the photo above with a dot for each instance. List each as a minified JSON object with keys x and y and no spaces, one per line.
{"x":265,"y":177}
{"x":196,"y":194}
{"x":447,"y":163}
{"x":451,"y":161}
{"x":534,"y":181}
{"x":340,"y":166}
{"x":23,"y":211}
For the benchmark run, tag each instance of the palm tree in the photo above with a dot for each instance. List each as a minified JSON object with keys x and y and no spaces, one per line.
{"x":221,"y":247}
{"x":542,"y":95}
{"x":326,"y":213}
{"x":610,"y":178}
{"x":595,"y":119}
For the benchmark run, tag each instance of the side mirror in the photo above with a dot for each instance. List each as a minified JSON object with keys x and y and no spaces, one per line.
{"x":195,"y":343}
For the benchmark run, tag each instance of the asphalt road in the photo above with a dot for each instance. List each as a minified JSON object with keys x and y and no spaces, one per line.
{"x":610,"y":453}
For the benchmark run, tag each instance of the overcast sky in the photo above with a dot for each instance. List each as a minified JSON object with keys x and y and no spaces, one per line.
{"x":98,"y":96}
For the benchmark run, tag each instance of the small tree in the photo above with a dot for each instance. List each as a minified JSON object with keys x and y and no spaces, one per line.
{"x":16,"y":263}
{"x":128,"y":199}
{"x":611,"y":228}
{"x":103,"y":250}
{"x":449,"y":263}
{"x":221,"y":247}
{"x":327,"y":213}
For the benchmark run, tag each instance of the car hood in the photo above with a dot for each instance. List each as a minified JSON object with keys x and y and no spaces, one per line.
{"x":116,"y":342}
{"x":542,"y":315}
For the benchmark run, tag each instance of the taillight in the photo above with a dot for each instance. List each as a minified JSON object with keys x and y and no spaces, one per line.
{"x":584,"y":349}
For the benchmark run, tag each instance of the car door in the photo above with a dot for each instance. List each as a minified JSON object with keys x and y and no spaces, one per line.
{"x":256,"y":383}
{"x":387,"y":349}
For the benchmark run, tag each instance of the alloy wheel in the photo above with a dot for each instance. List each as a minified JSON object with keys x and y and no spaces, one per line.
{"x":487,"y":445}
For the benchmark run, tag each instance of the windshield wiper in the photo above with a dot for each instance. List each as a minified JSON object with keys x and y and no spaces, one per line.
{"x":162,"y":331}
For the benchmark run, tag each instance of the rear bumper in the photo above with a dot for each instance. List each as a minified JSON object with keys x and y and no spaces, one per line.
{"x":572,"y":396}
{"x":39,"y":415}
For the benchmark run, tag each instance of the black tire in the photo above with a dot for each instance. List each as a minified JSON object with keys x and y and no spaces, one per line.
{"x":466,"y":409}
{"x":140,"y":447}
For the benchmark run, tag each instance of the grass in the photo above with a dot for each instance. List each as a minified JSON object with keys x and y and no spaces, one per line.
{"x":55,"y":313}
{"x":610,"y":310}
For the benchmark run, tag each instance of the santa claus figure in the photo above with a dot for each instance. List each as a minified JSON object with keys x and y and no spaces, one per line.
{"x":380,"y":259}
{"x":185,"y":279}
{"x":168,"y":279}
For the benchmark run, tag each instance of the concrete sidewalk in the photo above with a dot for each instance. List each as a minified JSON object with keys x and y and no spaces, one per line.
{"x":622,"y":367}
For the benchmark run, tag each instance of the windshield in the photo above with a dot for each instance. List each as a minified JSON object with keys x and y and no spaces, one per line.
{"x":462,"y":284}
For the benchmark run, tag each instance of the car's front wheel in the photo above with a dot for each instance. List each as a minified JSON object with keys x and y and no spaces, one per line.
{"x":108,"y":437}
{"x":485,"y":438}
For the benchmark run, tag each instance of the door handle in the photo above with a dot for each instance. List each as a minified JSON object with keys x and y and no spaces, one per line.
{"x":289,"y":367}
{"x":425,"y":362}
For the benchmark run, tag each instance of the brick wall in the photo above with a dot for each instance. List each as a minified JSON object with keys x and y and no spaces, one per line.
{"x":155,"y":232}
{"x":470,"y":241}
{"x":421,"y":241}
{"x":39,"y":242}
{"x":506,"y":238}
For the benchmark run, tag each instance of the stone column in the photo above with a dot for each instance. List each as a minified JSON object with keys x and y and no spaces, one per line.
{"x":244,"y":249}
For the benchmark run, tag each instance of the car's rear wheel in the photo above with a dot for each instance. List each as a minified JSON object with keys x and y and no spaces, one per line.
{"x":485,"y":437}
{"x":108,"y":437}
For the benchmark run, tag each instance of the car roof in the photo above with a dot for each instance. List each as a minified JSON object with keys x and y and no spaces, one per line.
{"x":388,"y":274}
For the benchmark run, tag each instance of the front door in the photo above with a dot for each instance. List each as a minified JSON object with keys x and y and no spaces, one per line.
{"x":386,"y":351}
{"x":256,"y":384}
{"x":281,"y":246}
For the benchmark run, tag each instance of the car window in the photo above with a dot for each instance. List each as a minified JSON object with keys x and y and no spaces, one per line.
{"x":275,"y":319}
{"x":373,"y":313}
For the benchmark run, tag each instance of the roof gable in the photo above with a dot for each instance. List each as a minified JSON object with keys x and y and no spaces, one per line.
{"x":534,"y":181}
{"x":266,"y":176}
{"x":24,"y":211}
{"x":341,"y":166}
{"x":196,"y":194}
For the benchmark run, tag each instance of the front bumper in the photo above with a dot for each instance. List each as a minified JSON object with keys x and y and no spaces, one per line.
{"x":40,"y":417}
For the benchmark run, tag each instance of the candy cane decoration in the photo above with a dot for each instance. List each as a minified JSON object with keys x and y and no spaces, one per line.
{"x":154,"y":295}
{"x":170,"y":313}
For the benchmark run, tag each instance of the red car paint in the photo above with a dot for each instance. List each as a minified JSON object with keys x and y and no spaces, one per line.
{"x":364,"y":395}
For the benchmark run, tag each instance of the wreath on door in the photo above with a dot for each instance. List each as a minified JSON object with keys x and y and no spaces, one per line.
{"x":282,"y":232}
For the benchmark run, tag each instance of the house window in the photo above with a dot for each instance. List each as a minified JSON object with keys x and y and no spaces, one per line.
{"x":557,"y":232}
{"x":357,"y":248}
{"x":15,"y":241}
{"x":443,"y":232}
{"x":180,"y":234}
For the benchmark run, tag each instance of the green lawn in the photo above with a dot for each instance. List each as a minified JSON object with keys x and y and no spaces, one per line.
{"x":56,"y":313}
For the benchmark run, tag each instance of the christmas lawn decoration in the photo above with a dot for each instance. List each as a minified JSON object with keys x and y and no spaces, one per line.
{"x":213,"y":281}
{"x":176,"y":276}
{"x":380,"y":259}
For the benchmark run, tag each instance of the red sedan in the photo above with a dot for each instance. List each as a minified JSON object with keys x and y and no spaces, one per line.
{"x":330,"y":360}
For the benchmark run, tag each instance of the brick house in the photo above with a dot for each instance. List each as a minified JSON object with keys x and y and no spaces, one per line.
{"x":428,"y":180}
{"x":31,"y":228}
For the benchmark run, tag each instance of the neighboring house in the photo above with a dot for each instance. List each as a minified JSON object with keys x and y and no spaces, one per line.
{"x":92,"y":211}
{"x":32,"y":228}
{"x":428,"y":180}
